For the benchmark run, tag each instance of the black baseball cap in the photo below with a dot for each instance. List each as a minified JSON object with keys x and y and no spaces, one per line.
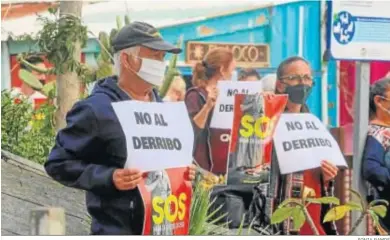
{"x":144,"y":34}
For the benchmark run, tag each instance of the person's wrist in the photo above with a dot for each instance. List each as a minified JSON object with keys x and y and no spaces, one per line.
{"x":113,"y":178}
{"x":326,"y":182}
{"x":208,"y":106}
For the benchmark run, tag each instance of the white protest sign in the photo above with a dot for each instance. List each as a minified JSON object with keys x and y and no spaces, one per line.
{"x":223,"y":110}
{"x":301,"y":142}
{"x":359,"y":30}
{"x":158,"y":135}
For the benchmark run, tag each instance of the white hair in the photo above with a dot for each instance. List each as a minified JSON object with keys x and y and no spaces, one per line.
{"x":117,"y":57}
{"x":269,"y":82}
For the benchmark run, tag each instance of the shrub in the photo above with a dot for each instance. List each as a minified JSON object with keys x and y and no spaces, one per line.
{"x":26,"y":132}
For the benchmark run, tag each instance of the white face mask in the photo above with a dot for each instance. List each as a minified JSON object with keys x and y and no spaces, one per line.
{"x":152,"y":71}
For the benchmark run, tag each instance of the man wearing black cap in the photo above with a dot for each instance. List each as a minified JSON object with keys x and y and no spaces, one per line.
{"x":90,"y":152}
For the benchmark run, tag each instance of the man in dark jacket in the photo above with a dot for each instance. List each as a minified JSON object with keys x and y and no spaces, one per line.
{"x":90,"y":152}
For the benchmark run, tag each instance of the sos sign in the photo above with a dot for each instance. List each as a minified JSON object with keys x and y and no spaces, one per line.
{"x":261,"y":127}
{"x":172,"y":208}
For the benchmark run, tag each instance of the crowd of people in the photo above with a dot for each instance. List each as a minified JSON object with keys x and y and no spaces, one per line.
{"x":90,"y":151}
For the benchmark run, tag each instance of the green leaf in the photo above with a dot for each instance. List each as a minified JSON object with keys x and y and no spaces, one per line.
{"x":374,"y":217}
{"x":375,"y":202}
{"x":127,"y":20}
{"x":52,"y":10}
{"x":105,"y":70}
{"x":48,"y":88}
{"x":336,"y":213}
{"x":324,"y":200}
{"x":171,"y":72}
{"x":281,"y":214}
{"x":119,"y":23}
{"x":199,"y":210}
{"x":218,"y":209}
{"x":210,"y":229}
{"x":298,"y":217}
{"x":113,"y":34}
{"x":354,"y":206}
{"x":30,"y":79}
{"x":211,"y":203}
{"x":379,"y":210}
{"x":219,"y":218}
{"x":241,"y":227}
{"x":105,"y":46}
{"x":288,"y":201}
{"x":359,"y":197}
{"x":251,"y":226}
{"x":356,"y":194}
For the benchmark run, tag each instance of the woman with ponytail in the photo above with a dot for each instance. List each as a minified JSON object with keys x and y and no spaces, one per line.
{"x":211,"y":147}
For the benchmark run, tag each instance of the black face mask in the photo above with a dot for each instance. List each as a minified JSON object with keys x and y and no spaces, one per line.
{"x":298,"y":93}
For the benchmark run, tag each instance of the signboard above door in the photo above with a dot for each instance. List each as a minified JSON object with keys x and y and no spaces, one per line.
{"x":246,"y":55}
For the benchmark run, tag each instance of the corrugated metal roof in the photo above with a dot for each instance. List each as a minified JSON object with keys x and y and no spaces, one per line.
{"x":102,"y":15}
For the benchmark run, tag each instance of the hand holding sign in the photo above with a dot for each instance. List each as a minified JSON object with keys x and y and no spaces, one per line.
{"x":191,"y":172}
{"x":329,"y":170}
{"x":212,"y":95}
{"x":126,"y":179}
{"x":268,"y":95}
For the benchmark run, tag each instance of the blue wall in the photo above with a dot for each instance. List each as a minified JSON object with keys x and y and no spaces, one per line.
{"x":280,"y":31}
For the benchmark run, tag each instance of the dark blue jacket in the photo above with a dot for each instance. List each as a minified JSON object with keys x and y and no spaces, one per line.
{"x":85,"y":155}
{"x":376,"y":166}
{"x":375,"y":169}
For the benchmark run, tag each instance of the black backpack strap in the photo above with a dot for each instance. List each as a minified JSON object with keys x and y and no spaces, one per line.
{"x":257,"y":217}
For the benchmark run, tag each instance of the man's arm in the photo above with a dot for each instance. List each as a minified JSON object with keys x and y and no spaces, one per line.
{"x":73,"y":159}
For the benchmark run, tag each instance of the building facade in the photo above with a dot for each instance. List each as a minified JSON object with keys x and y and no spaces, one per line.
{"x":261,"y":36}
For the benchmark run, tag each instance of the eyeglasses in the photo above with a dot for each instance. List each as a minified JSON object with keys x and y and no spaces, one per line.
{"x":384,"y":98}
{"x":298,"y":78}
